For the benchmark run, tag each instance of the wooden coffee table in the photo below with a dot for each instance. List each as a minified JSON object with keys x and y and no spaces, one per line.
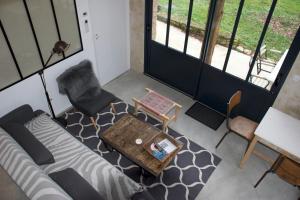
{"x":122,"y":137}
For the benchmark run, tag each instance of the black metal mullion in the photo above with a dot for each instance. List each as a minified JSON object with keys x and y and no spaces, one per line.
{"x":261,"y":39}
{"x":188,"y":25}
{"x":78,"y":25}
{"x":209,"y":21}
{"x":11,"y":50}
{"x":168,"y":22}
{"x":210,"y":18}
{"x":56,"y":23}
{"x":235,"y":27}
{"x":33,"y":32}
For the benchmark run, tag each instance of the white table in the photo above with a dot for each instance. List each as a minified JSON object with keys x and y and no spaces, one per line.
{"x":279,"y":132}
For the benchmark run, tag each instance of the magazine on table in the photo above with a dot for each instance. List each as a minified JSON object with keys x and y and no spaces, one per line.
{"x":167,"y":146}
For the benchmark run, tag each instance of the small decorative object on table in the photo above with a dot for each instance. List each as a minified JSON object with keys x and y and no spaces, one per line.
{"x":139,"y":141}
{"x":158,"y":106}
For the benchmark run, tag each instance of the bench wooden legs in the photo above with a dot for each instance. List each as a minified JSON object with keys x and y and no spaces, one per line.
{"x":93,"y":122}
{"x":113,"y":108}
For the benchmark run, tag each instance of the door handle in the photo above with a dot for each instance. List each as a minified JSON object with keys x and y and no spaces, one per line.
{"x":148,"y":28}
{"x":278,"y":79}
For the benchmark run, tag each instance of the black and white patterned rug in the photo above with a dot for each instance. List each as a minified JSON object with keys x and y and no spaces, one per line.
{"x":182,"y":179}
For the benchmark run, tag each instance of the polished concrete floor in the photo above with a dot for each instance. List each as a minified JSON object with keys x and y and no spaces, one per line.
{"x":228,"y":181}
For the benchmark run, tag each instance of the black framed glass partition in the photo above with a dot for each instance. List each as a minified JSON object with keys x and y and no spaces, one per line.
{"x":29,"y":29}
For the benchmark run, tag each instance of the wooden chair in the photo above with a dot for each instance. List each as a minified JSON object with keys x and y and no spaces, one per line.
{"x":239,"y":125}
{"x":286,"y":169}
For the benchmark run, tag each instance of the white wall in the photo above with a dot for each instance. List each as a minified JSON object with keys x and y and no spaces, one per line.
{"x":107,"y":18}
{"x":288,"y":99}
{"x":30,"y":91}
{"x":110,"y":24}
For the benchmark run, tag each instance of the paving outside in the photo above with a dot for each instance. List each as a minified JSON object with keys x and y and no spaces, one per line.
{"x":238,"y":64}
{"x":228,"y":181}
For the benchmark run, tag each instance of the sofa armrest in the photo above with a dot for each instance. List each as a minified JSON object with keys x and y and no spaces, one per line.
{"x":38,"y":112}
{"x":20,"y":115}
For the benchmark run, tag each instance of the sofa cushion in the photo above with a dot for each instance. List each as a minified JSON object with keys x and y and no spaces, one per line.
{"x":68,"y":152}
{"x":75,"y":185}
{"x":30,"y":144}
{"x":26,"y":174}
{"x":19,"y":115}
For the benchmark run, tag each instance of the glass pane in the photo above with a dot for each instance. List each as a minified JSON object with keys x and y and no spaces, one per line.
{"x":179,"y":13}
{"x":249,"y":30}
{"x":197,"y":28}
{"x":17,"y":27}
{"x":216,"y":54}
{"x":8,"y":70}
{"x":159,"y":20}
{"x":44,"y":26}
{"x":67,"y":22}
{"x":280,"y":34}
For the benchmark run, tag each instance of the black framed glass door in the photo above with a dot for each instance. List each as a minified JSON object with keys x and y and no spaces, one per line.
{"x":210,"y":49}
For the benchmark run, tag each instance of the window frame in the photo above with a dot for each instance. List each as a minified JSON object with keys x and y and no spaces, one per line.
{"x":43,"y":67}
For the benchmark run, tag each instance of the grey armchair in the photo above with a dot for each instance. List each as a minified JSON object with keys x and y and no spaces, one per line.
{"x":81,"y":86}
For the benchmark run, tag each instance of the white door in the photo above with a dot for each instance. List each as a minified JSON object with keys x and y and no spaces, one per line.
{"x":110,"y":26}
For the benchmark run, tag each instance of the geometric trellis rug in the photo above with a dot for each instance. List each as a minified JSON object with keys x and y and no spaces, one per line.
{"x":182,"y":179}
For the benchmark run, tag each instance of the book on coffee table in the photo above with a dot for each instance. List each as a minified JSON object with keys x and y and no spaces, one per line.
{"x":167,"y":146}
{"x":162,"y":146}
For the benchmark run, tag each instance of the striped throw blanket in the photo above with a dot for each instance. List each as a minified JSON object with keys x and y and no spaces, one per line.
{"x":22,"y":169}
{"x":70,"y":153}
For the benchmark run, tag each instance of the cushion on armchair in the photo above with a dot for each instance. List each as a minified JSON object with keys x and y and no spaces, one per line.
{"x":78,"y":80}
{"x":91,"y":105}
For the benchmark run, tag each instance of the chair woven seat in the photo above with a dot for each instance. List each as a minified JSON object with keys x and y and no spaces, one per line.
{"x":239,"y":125}
{"x":243,"y":126}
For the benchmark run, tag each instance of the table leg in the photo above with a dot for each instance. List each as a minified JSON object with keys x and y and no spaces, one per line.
{"x":136,"y":107}
{"x":109,"y":148}
{"x":177,"y":110}
{"x":271,"y":170}
{"x":165,"y":125}
{"x":145,"y":173}
{"x":248,"y":152}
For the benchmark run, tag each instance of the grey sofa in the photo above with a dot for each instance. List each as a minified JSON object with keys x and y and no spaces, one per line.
{"x":68,"y":152}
